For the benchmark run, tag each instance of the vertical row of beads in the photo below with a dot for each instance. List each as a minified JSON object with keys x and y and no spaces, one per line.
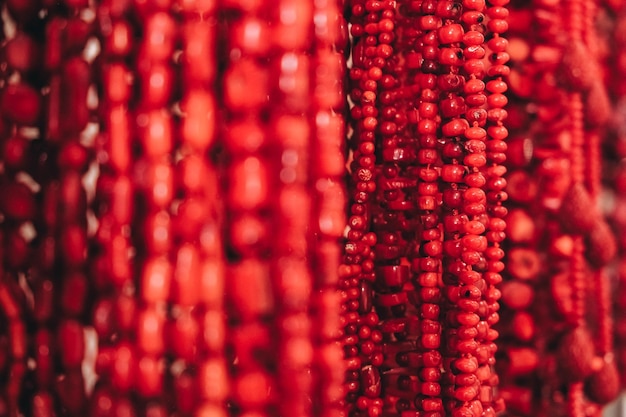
{"x":574,"y":109}
{"x":426,"y":265}
{"x":392,"y":218}
{"x":358,"y":269}
{"x":394,"y":222}
{"x":328,"y":219}
{"x":198,"y":329}
{"x":21,"y":111}
{"x":245,"y":92}
{"x":112,"y":262}
{"x":290,"y":269}
{"x":74,"y":75}
{"x":477,"y":297}
{"x":461,"y":205}
{"x":494,"y":172}
{"x":154,"y":175}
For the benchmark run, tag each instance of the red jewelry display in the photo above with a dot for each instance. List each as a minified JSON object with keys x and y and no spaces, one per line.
{"x":334,"y":208}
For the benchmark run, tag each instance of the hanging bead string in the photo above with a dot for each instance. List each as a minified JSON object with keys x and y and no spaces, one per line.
{"x":196,"y":186}
{"x":113,"y":262}
{"x":22,"y":229}
{"x":154,"y":173}
{"x":245,"y":92}
{"x":463,"y":203}
{"x":73,"y":112}
{"x":357,"y":273}
{"x":425,"y":263}
{"x":575,"y":109}
{"x":291,"y":127}
{"x":198,"y":329}
{"x":496,"y":147}
{"x":396,"y":225}
{"x":328,"y":220}
{"x":393,"y":221}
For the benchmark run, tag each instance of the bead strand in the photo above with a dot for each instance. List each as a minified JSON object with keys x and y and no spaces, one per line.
{"x":357,"y":272}
{"x":113,"y":262}
{"x":154,"y":175}
{"x":74,"y":135}
{"x":199,"y":328}
{"x":250,"y":301}
{"x":495,"y":185}
{"x":22,"y":229}
{"x":575,"y":111}
{"x":291,"y":128}
{"x":426,"y":265}
{"x":461,"y":207}
{"x":392,"y":223}
{"x":328,"y":219}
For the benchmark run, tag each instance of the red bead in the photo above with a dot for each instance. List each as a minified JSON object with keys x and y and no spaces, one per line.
{"x":198,"y":57}
{"x":517,"y":295}
{"x":186,"y":285}
{"x":22,"y":53}
{"x":21,"y":205}
{"x":71,"y":340}
{"x":117,"y":130}
{"x":248,"y":189}
{"x":249,"y":35}
{"x":249,"y":289}
{"x":44,"y":356}
{"x":452,"y":173}
{"x":150,"y":376}
{"x":452,"y":33}
{"x":212,"y":282}
{"x":575,"y":354}
{"x":158,"y":40}
{"x":123,"y":369}
{"x":74,"y":294}
{"x":155,"y":280}
{"x":245,"y":86}
{"x":186,"y":392}
{"x":21,"y":104}
{"x":119,"y":39}
{"x":157,"y":233}
{"x":150,"y":323}
{"x":42,"y":404}
{"x":292,"y":33}
{"x":184,"y":334}
{"x":155,"y":131}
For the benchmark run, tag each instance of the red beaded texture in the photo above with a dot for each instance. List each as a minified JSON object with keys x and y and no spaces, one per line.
{"x":329,"y":208}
